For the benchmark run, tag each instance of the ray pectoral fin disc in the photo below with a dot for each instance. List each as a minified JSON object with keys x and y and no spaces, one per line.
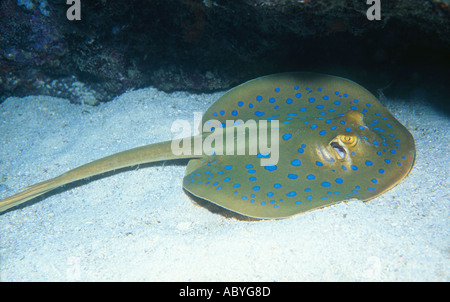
{"x":336,"y":142}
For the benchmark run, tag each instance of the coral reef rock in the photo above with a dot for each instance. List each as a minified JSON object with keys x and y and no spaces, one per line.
{"x":207,"y":45}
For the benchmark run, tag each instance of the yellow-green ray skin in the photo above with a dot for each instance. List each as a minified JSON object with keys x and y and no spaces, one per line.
{"x":336,"y":142}
{"x":383,"y":155}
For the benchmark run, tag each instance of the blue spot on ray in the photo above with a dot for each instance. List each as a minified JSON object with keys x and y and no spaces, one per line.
{"x":291,"y":194}
{"x":296,"y":162}
{"x":271,"y":168}
{"x":287,"y":136}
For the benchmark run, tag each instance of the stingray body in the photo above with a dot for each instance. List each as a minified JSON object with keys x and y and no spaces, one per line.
{"x":333,"y":141}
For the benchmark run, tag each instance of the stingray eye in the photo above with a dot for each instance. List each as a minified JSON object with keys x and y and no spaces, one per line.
{"x":349,"y":140}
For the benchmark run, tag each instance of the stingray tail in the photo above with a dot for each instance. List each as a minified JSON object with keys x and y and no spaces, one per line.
{"x":146,"y":154}
{"x":29,"y":193}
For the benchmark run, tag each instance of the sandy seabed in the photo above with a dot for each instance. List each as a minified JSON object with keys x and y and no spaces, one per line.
{"x":139,"y":225}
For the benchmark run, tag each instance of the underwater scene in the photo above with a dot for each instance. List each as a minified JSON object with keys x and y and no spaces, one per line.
{"x":244,"y":140}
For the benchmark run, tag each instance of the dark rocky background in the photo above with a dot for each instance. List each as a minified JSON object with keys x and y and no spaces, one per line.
{"x":206,"y":45}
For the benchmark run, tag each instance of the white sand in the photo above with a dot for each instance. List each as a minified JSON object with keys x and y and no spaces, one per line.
{"x":140,"y":225}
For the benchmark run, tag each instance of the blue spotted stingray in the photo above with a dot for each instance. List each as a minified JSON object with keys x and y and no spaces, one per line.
{"x":334,"y":142}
